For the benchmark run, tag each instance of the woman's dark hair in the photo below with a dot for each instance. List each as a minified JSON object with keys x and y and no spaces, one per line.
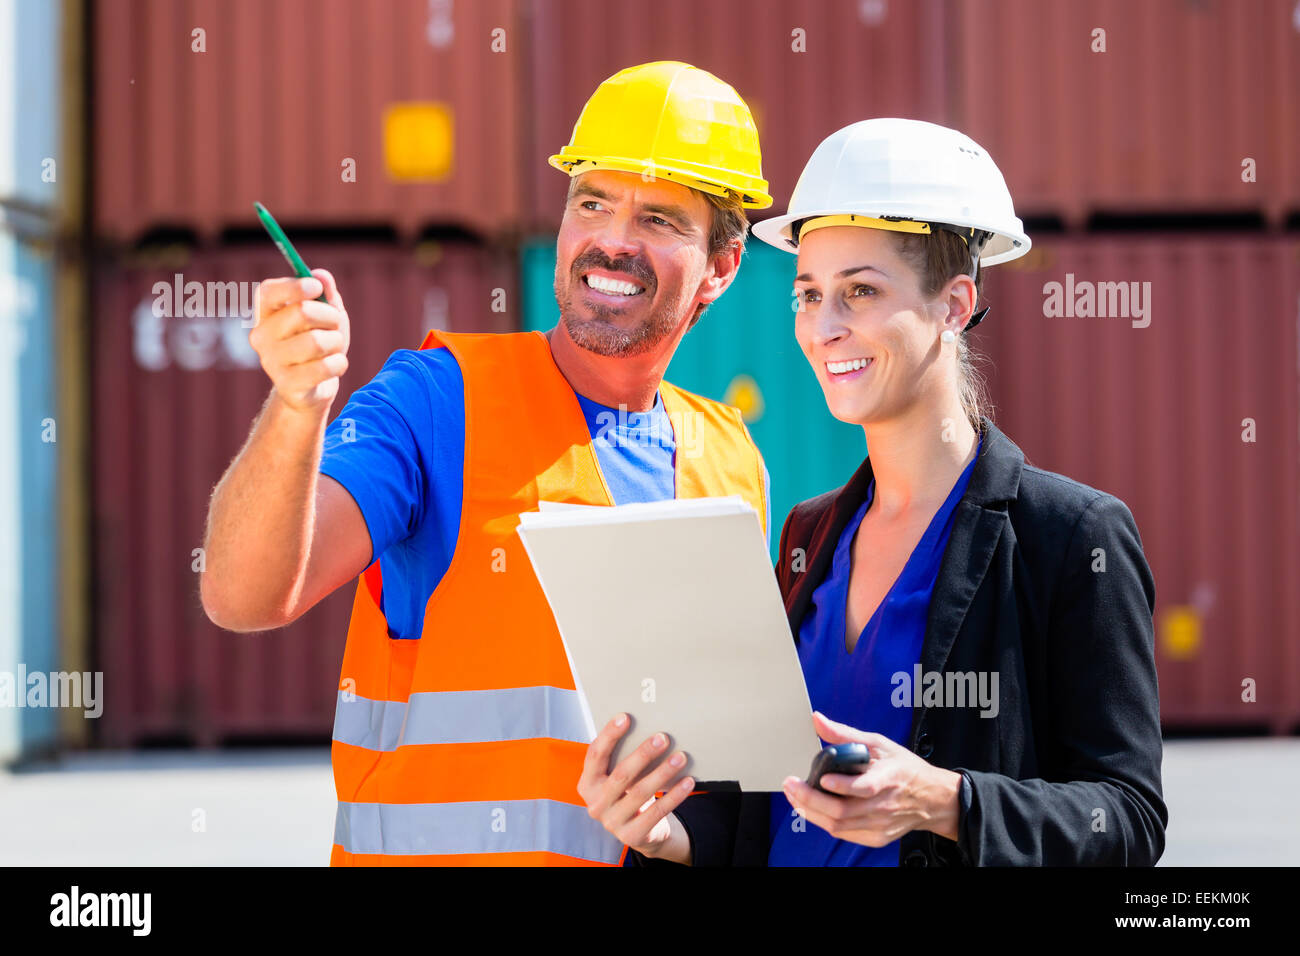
{"x":938,"y":257}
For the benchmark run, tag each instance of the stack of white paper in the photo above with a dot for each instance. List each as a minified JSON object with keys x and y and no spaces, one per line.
{"x":670,"y":612}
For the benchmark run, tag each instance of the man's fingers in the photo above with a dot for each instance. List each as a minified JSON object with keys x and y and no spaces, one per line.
{"x":306,"y":315}
{"x":307,"y":375}
{"x":302,"y":343}
{"x":274,"y":294}
{"x":293,"y":319}
{"x":311,"y":345}
{"x":330,"y":286}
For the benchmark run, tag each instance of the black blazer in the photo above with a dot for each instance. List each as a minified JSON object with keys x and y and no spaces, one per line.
{"x":1043,"y":581}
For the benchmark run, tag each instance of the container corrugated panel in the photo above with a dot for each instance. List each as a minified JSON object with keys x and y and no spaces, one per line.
{"x":284,"y":94}
{"x":30,"y":148}
{"x":29,"y":607}
{"x":1162,"y":121}
{"x":174,"y":401}
{"x":1156,"y":415}
{"x":743,"y":351}
{"x":860,"y":58}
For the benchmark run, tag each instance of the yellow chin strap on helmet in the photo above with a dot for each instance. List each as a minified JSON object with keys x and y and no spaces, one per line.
{"x":975,"y":238}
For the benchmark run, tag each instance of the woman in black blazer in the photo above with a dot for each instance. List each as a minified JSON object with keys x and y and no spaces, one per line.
{"x":945,"y":550}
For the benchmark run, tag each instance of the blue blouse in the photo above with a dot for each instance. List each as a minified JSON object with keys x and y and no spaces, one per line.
{"x":855,"y":689}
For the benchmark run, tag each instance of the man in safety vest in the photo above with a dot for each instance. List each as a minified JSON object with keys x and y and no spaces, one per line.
{"x":458,"y":735}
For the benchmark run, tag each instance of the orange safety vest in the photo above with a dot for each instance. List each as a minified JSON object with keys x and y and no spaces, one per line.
{"x":465,"y":747}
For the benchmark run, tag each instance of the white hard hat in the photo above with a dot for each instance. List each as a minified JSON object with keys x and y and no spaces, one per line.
{"x":898,"y":174}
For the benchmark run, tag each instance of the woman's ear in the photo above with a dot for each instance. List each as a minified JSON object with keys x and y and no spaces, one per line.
{"x":960,"y":297}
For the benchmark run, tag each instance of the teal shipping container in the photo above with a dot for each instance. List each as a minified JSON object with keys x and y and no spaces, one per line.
{"x":28,"y":507}
{"x":743,"y":352}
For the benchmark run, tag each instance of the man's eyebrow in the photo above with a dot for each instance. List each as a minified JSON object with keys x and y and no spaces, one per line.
{"x":842,"y":274}
{"x":588,"y":190}
{"x":676,"y":213}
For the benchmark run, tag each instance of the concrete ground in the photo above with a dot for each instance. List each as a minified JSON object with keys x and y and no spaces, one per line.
{"x":171,"y":808}
{"x":1230,"y":802}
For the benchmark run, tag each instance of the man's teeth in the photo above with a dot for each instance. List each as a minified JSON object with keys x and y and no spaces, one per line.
{"x":612,"y":286}
{"x":839,"y":368}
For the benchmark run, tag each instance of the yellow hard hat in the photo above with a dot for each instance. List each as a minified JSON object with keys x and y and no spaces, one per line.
{"x":674,"y":121}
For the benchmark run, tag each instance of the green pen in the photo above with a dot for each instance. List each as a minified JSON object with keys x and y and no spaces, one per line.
{"x":286,"y":247}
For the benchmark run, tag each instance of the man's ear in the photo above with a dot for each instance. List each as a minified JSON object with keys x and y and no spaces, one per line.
{"x":723,"y":267}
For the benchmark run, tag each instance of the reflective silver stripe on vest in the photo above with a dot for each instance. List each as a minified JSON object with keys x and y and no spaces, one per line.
{"x":460,"y":717}
{"x":495,"y":826}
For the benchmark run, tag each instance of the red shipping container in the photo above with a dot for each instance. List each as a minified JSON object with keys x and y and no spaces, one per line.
{"x":174,"y":399}
{"x":1185,"y":92}
{"x":282,"y":95}
{"x":1153,"y":409}
{"x":805,"y":69}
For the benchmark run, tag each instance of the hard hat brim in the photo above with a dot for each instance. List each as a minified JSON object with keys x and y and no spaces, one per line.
{"x":753,"y":194}
{"x":1003,"y":247}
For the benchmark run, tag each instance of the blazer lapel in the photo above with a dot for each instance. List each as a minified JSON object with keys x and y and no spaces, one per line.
{"x":978,"y":522}
{"x":821,"y":544}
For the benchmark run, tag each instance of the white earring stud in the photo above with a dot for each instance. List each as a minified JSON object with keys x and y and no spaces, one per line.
{"x":948,"y":337}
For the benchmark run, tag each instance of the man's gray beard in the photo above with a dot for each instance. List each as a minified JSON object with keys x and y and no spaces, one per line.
{"x":601,"y":338}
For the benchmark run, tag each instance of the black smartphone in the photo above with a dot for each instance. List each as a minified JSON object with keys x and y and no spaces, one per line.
{"x":838,"y":758}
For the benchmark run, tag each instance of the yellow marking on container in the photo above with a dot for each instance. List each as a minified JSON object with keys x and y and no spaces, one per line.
{"x":744,"y":393}
{"x":419,"y":141}
{"x":1180,"y":632}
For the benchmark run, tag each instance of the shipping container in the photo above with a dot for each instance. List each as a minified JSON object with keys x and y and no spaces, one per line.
{"x":31,"y":153}
{"x":174,"y":399}
{"x":29,"y":530}
{"x":804,"y":68}
{"x":1177,"y":392}
{"x":743,"y":351}
{"x":403,"y":113}
{"x":1114,"y":107}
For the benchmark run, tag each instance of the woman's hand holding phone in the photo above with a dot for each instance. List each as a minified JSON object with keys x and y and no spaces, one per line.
{"x":899,"y":792}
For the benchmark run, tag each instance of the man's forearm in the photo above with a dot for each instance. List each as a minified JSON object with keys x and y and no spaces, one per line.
{"x":261,"y":518}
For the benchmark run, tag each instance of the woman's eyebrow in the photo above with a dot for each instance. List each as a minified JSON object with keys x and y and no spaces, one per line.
{"x":842,"y":274}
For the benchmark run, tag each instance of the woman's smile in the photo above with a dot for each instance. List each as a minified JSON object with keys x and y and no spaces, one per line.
{"x":847,"y":370}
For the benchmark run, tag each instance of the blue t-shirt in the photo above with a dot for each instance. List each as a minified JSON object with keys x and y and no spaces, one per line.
{"x":632,"y":448}
{"x":398,"y":447}
{"x":856,"y":688}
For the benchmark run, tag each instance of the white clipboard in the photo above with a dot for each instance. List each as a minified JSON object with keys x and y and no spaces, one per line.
{"x":670,"y":612}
